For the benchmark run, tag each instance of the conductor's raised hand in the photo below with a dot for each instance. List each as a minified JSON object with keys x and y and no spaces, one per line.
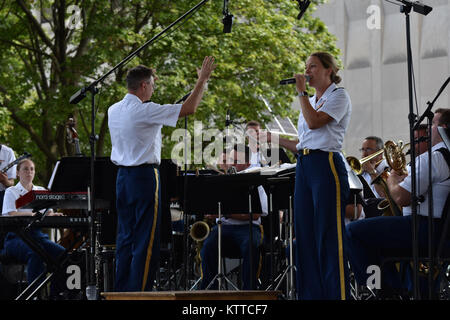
{"x":208,"y":67}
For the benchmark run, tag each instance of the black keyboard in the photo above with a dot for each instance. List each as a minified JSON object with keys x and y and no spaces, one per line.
{"x":11,"y":223}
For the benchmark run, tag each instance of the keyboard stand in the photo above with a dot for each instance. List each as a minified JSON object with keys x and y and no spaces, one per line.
{"x":52,"y":265}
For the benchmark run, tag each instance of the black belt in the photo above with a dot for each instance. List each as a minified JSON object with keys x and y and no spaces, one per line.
{"x":150,"y":165}
{"x":308,"y":151}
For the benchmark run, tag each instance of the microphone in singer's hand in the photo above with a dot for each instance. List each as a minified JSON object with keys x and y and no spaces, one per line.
{"x":292,"y":80}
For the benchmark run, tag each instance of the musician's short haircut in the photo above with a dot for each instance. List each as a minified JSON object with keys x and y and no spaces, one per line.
{"x":444,"y":120}
{"x":243,"y":148}
{"x":136,"y":75}
{"x":22,"y":161}
{"x":378,"y":141}
{"x":252,"y":123}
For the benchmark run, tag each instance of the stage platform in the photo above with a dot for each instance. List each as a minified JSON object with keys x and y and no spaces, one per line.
{"x":193,"y":295}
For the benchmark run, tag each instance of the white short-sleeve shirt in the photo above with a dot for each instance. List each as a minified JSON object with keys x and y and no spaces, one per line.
{"x":6,"y":157}
{"x":135,"y":129}
{"x":439,"y":175}
{"x":335,"y":103}
{"x":12,"y":194}
{"x":379,"y":169}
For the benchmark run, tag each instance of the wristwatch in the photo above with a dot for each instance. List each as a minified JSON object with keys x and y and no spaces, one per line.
{"x":303,"y":94}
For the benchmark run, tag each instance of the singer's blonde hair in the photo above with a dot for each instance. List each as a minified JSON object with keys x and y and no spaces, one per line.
{"x":328,"y":61}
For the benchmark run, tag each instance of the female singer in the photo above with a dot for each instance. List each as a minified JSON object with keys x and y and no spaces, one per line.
{"x":321,"y":182}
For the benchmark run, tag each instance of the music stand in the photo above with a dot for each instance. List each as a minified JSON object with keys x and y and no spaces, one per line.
{"x":285,"y":183}
{"x":73,"y":174}
{"x":235,"y":193}
{"x":220,"y":276}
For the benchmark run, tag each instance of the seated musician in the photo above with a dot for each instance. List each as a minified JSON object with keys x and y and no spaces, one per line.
{"x":235,"y":236}
{"x":372,"y":193}
{"x":256,"y":141}
{"x":372,"y":240}
{"x":7,"y":156}
{"x":14,"y":246}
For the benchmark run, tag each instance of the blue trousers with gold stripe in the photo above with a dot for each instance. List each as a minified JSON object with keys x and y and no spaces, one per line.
{"x":138,"y":241}
{"x":321,"y":193}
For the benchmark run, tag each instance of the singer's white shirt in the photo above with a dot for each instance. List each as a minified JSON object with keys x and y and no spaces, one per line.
{"x":135,"y":129}
{"x":329,"y":137}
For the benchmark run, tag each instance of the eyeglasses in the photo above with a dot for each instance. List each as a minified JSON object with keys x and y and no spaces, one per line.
{"x":367,"y":150}
{"x":150,"y":83}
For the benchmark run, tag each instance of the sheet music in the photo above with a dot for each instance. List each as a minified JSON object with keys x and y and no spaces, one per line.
{"x":279,"y":125}
{"x":50,"y":183}
{"x":269,"y":170}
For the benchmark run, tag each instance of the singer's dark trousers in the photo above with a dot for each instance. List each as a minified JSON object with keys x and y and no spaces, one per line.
{"x":138,"y":241}
{"x":321,"y":193}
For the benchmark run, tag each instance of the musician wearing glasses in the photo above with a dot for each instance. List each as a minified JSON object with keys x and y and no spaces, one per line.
{"x":262,"y":157}
{"x":372,"y":193}
{"x":14,"y":246}
{"x":371,"y":240}
{"x":7,"y":178}
{"x":135,"y":126}
{"x":373,"y":167}
{"x":321,"y":182}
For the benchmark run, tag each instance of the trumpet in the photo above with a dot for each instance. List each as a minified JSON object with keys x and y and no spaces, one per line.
{"x":356,"y":164}
{"x":396,"y":159}
{"x":393,"y":153}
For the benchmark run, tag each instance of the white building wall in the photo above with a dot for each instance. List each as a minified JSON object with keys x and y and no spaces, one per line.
{"x":375,"y":64}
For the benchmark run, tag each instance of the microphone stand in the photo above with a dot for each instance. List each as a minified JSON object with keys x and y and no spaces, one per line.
{"x":80,"y":95}
{"x":428,"y":114}
{"x":406,"y":9}
{"x":185,"y":216}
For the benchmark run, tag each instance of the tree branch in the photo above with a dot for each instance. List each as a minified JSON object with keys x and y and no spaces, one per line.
{"x":23,"y":46}
{"x":36,"y":26}
{"x":34,"y":136}
{"x":82,"y":46}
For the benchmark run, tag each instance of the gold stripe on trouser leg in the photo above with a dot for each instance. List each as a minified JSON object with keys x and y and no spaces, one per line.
{"x":339,"y":224}
{"x":152,"y":234}
{"x":260,"y":255}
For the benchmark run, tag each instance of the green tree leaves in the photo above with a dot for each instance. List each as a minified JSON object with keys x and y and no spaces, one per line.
{"x":45,"y":60}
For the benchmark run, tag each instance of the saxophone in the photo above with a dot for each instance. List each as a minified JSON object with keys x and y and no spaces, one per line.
{"x":199,"y":232}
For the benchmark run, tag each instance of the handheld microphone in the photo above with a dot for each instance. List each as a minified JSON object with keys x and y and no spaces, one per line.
{"x":292,"y":80}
